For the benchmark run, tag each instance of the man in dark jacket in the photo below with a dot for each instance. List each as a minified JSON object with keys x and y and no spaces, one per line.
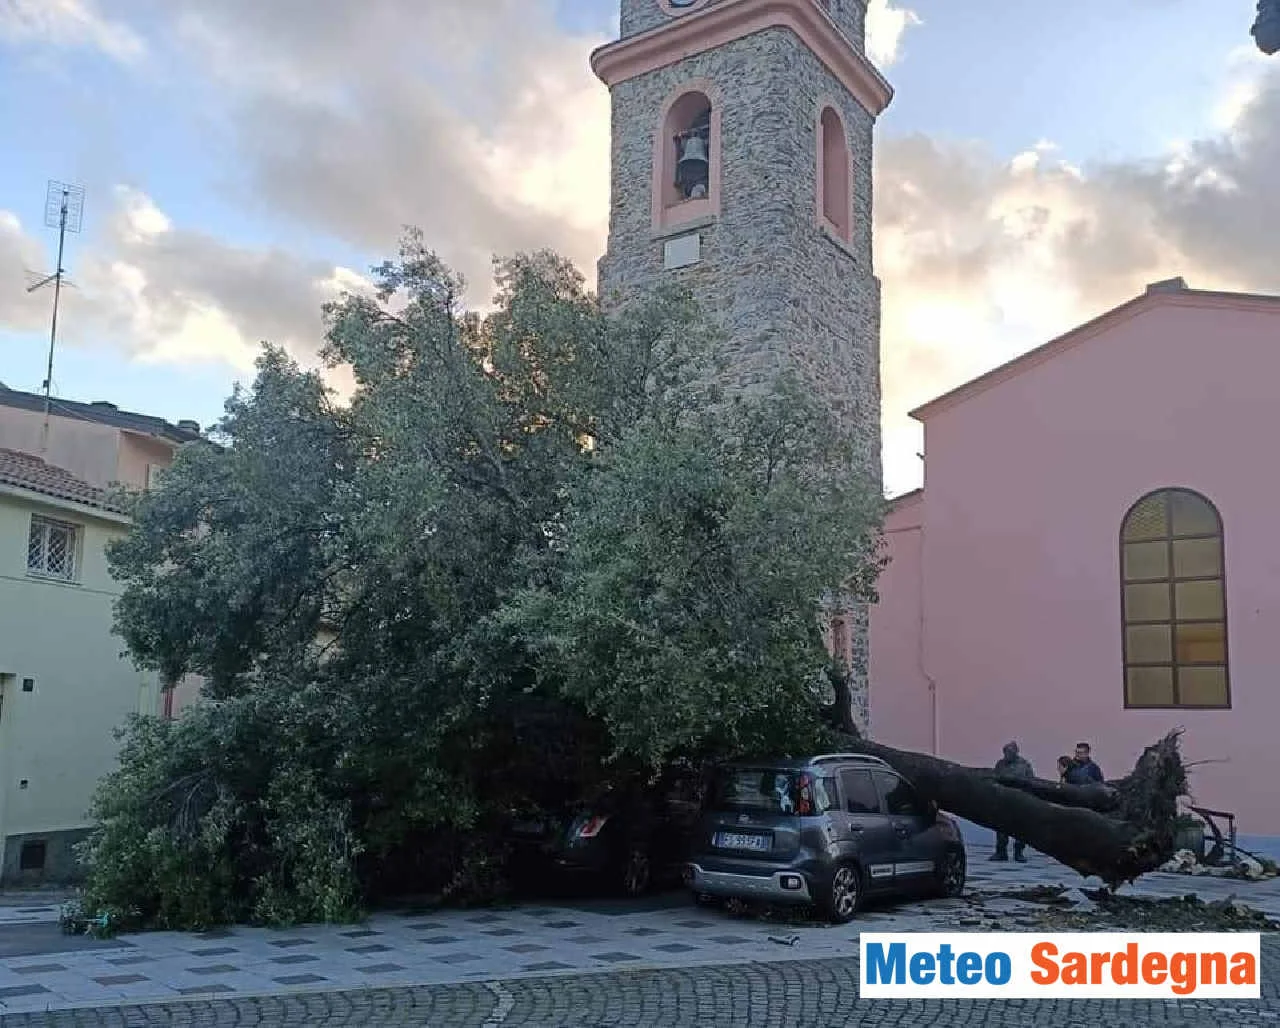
{"x":1011,"y":765}
{"x":1083,"y":771}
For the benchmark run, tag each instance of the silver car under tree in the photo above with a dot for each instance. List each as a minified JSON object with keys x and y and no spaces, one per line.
{"x":830,"y":830}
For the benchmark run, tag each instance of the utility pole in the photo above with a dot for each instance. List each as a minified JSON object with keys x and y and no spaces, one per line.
{"x":1266,"y":30}
{"x":63,"y":210}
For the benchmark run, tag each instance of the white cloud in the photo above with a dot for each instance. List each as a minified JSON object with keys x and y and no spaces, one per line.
{"x":1247,"y":71}
{"x":67,"y":23}
{"x":22,"y":261}
{"x":487,"y":129}
{"x":165,"y":295}
{"x":490,"y":133}
{"x":886,"y":25}
{"x":138,"y":218}
{"x":983,"y":260}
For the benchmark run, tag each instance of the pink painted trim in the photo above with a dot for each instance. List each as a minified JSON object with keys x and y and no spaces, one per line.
{"x":676,"y":12}
{"x":1102,"y":323}
{"x":664,"y":217}
{"x":845,"y":235}
{"x":732,"y":19}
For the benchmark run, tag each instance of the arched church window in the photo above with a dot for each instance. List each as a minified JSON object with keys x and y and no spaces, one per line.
{"x":835,"y":201}
{"x":1174,"y":610}
{"x":688,"y":164}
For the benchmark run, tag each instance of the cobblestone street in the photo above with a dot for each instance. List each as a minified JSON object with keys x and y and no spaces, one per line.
{"x":790,"y":993}
{"x":591,"y":962}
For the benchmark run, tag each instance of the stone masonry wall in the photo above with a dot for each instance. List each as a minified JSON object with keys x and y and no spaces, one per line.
{"x":851,"y":16}
{"x":785,"y":293}
{"x":642,"y":15}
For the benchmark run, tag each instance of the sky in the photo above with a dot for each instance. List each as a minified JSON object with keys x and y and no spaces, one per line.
{"x":244,"y":162}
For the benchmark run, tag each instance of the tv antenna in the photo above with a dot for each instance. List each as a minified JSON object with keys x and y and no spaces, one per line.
{"x":63,"y":210}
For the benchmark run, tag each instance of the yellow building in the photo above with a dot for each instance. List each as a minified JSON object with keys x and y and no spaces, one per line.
{"x":64,"y":684}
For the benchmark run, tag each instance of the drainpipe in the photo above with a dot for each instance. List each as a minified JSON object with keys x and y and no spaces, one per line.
{"x":933,"y":686}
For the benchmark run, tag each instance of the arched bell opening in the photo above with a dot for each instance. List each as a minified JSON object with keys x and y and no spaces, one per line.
{"x":688,"y":159}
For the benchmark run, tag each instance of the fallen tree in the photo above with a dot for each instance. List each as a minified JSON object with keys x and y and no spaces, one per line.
{"x":548,"y":504}
{"x":1105,"y":799}
{"x":1116,"y":832}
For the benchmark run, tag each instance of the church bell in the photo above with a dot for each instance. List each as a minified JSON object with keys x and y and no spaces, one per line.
{"x":693,"y":166}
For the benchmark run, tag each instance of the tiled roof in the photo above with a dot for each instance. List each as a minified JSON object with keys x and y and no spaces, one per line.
{"x":102,"y":413}
{"x":29,"y":472}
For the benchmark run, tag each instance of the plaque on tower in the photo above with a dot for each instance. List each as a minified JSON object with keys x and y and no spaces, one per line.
{"x":682,"y":251}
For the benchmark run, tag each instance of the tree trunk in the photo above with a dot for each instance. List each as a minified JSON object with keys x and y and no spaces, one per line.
{"x":1103,"y":798}
{"x":1116,"y":832}
{"x":840,"y":714}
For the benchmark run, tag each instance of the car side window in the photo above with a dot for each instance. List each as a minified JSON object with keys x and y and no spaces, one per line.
{"x":824,"y":791}
{"x":899,"y":798}
{"x":859,"y":792}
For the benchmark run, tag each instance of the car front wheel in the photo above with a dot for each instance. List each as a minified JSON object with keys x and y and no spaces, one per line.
{"x":844,"y":894}
{"x":950,"y":874}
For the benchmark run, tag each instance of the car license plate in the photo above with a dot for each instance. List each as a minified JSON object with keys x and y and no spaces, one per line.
{"x":734,"y":841}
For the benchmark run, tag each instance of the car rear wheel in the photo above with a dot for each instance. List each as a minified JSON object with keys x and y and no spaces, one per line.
{"x":950,"y":874}
{"x":844,"y":894}
{"x":637,"y":872}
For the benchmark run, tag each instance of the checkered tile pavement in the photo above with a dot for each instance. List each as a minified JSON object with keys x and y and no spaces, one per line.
{"x":473,"y":946}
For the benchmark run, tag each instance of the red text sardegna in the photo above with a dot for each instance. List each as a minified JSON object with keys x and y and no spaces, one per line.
{"x":1033,"y":965}
{"x":1182,"y":972}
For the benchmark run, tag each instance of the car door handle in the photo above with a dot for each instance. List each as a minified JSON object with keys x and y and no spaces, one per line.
{"x":902,"y":831}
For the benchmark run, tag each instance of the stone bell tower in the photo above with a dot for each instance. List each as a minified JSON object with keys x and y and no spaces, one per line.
{"x":741,"y":155}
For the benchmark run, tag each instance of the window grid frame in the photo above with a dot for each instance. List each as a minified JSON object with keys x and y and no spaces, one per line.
{"x":46,"y":526}
{"x":1169,"y":537}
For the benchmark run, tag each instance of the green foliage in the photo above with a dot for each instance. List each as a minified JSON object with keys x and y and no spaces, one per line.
{"x":683,"y":613}
{"x":537,"y":549}
{"x":211,"y":819}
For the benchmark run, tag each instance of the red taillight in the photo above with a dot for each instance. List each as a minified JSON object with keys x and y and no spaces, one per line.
{"x":591,"y":827}
{"x":804,"y":806}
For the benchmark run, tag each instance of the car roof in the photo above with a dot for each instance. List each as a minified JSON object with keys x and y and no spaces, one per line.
{"x":794,"y":764}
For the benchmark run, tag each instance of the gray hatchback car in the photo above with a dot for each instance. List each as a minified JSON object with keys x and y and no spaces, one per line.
{"x":830,"y":830}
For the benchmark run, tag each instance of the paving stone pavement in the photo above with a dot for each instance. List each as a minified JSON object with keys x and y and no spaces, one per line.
{"x":788,"y":994}
{"x":613,"y":960}
{"x":27,"y":913}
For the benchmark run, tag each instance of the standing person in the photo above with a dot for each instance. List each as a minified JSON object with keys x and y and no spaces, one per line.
{"x":1011,"y":765}
{"x":1083,"y":771}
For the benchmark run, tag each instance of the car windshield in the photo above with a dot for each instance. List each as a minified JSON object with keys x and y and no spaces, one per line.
{"x":767,"y":791}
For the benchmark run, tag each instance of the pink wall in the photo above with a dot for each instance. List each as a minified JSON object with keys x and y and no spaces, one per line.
{"x":86,"y":449}
{"x":136,"y":452}
{"x":1026,"y":486}
{"x":901,"y":708}
{"x":100,"y":454}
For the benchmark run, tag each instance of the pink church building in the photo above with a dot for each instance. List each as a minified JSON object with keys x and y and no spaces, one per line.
{"x":1095,"y":554}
